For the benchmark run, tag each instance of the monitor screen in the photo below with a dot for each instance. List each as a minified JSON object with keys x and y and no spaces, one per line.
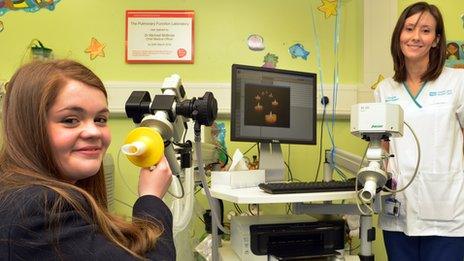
{"x":273,"y":105}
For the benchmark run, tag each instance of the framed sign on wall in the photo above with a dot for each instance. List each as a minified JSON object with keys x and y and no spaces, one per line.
{"x":159,"y":36}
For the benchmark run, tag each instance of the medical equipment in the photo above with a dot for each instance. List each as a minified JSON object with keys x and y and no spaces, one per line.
{"x":273,"y":107}
{"x":144,"y":147}
{"x":375,"y":122}
{"x":168,"y":115}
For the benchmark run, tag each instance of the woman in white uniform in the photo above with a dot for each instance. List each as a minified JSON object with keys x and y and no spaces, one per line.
{"x":430,"y":222}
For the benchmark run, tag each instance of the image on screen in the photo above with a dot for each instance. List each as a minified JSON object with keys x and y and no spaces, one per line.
{"x":273,"y":105}
{"x":267,"y":105}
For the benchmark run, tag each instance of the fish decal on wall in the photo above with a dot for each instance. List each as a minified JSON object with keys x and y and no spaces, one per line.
{"x":297,"y":50}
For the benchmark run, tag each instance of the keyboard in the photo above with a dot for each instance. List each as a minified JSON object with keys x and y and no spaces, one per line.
{"x":312,"y":186}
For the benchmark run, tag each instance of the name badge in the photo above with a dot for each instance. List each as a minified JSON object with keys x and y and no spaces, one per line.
{"x":392,"y":207}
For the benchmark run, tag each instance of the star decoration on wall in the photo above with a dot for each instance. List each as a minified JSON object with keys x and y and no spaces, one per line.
{"x":328,"y":7}
{"x":379,"y":79}
{"x":95,"y":49}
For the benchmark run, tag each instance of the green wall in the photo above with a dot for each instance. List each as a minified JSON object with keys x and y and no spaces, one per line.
{"x":221,"y":30}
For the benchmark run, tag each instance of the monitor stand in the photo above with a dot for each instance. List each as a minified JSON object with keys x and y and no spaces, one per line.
{"x":271,"y":160}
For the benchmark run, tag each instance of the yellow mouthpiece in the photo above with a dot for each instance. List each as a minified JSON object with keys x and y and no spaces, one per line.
{"x":144,"y":147}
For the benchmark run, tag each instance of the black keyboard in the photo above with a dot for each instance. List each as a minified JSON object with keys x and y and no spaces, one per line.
{"x":305,"y":187}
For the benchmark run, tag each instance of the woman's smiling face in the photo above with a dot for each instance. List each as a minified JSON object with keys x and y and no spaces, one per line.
{"x":418,"y":36}
{"x":78,"y":131}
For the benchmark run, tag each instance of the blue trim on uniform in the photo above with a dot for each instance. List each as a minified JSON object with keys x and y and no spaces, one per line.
{"x":401,"y":247}
{"x":414,"y":98}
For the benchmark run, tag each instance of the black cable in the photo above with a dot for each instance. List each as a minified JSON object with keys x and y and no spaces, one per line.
{"x":122,"y":202}
{"x":288,"y":207}
{"x":320,"y":144}
{"x":250,"y":148}
{"x":185,"y":132}
{"x":225,"y":152}
{"x":290,"y":175}
{"x":182,"y":194}
{"x":249,"y":210}
{"x":198,"y":190}
{"x":237,"y":207}
{"x":288,"y":162}
{"x":202,"y":220}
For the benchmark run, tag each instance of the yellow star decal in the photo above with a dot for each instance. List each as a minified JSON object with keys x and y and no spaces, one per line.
{"x":379,"y":79}
{"x":328,"y":7}
{"x":95,"y":49}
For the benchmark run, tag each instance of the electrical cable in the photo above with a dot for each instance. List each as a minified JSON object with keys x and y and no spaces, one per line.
{"x":250,"y":149}
{"x":124,"y":203}
{"x":122,"y":176}
{"x":201,"y":220}
{"x":290,"y":175}
{"x":182,"y":193}
{"x":340,"y":173}
{"x":214,"y":214}
{"x":319,"y":66}
{"x":417,"y":162}
{"x":237,"y":207}
{"x":320,"y":142}
{"x":185,"y":134}
{"x":335,"y":74}
{"x":227,"y":155}
{"x":249,"y":210}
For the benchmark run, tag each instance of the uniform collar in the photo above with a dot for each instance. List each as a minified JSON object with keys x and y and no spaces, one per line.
{"x":414,"y":98}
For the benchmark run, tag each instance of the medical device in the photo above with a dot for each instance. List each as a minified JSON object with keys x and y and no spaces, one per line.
{"x":166,"y":117}
{"x":375,"y":122}
{"x":168,"y":114}
{"x":273,"y":106}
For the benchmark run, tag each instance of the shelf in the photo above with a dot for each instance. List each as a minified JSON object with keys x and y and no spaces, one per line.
{"x":257,"y":196}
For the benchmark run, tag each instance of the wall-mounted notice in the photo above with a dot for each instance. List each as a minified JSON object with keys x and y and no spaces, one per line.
{"x":159,"y":36}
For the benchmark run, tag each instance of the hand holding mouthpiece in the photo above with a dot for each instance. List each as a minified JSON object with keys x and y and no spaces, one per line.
{"x":144,"y":147}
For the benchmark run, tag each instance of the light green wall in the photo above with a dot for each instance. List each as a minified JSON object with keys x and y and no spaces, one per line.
{"x":221,"y":29}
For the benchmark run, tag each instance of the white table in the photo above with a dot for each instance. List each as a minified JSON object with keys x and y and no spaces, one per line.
{"x":255,"y":195}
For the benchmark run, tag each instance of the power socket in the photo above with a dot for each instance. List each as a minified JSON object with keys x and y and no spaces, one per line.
{"x":324,"y":100}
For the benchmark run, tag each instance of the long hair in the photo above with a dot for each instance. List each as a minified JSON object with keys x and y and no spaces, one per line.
{"x":26,"y":157}
{"x":437,"y":54}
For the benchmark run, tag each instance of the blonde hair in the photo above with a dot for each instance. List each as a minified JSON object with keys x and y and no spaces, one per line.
{"x":26,"y":155}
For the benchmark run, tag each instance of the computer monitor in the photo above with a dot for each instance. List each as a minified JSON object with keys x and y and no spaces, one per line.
{"x":273,"y":106}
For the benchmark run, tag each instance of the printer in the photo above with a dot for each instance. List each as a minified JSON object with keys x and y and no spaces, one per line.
{"x":254,"y":238}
